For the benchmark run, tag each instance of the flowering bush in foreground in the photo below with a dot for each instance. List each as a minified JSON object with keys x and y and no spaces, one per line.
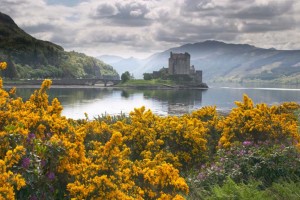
{"x":248,"y":122}
{"x":245,"y":161}
{"x":43,"y":155}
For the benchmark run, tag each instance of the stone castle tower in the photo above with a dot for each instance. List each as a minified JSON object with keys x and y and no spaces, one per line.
{"x":179,"y":64}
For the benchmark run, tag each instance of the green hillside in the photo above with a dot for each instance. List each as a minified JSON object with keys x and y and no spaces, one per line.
{"x":28,"y":57}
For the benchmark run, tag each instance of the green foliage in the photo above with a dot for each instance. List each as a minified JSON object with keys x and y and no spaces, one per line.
{"x":125,"y":77}
{"x":232,"y":190}
{"x":148,"y":76}
{"x":285,"y":190}
{"x":242,"y":162}
{"x":39,"y":169}
{"x":153,"y":82}
{"x":10,"y":71}
{"x":113,"y":119}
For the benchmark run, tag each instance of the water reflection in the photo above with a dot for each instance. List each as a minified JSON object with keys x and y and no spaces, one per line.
{"x":177,"y":101}
{"x":98,"y":101}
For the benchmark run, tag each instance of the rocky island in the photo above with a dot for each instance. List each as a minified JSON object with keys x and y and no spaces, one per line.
{"x":179,"y":74}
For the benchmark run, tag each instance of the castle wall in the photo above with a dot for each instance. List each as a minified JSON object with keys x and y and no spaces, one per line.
{"x":198,"y":76}
{"x":179,"y":63}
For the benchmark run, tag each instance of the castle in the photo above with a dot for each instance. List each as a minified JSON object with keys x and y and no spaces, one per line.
{"x":179,"y":64}
{"x":179,"y":70}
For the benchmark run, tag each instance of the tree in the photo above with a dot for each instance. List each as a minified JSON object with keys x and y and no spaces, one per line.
{"x":147,"y":76}
{"x":10,"y":71}
{"x":125,"y":76}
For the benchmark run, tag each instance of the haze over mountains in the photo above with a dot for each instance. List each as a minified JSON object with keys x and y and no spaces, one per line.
{"x":222,"y":62}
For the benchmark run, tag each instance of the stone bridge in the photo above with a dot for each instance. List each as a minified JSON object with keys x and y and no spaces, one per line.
{"x":113,"y":80}
{"x":87,"y":81}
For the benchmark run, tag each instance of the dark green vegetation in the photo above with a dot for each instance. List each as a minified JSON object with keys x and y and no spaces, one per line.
{"x":126,"y":77}
{"x":28,"y":57}
{"x":161,"y":84}
{"x":153,"y":82}
{"x":249,"y":171}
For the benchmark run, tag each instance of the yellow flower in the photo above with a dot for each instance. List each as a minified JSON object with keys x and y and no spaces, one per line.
{"x":3,"y":65}
{"x":12,"y":91}
{"x":46,"y":84}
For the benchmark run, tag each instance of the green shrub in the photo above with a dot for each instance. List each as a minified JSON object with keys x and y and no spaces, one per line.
{"x":242,"y":162}
{"x":285,"y":190}
{"x":241,"y":191}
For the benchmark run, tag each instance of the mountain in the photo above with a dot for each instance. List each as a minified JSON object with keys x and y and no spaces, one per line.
{"x":230,"y":62}
{"x":28,"y":57}
{"x":122,"y":65}
{"x":109,"y":59}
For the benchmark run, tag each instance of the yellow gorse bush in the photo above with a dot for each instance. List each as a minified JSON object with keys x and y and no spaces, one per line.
{"x":43,"y":154}
{"x":10,"y":181}
{"x":249,"y":122}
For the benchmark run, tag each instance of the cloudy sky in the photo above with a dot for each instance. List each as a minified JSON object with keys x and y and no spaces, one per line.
{"x":142,"y":27}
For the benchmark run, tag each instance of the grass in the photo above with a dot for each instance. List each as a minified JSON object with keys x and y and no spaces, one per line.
{"x":153,"y":82}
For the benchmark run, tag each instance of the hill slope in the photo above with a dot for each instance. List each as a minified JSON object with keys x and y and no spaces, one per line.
{"x":28,"y":57}
{"x":231,"y":62}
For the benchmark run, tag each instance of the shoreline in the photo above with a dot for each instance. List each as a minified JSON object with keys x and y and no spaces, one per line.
{"x":37,"y":84}
{"x":104,"y":87}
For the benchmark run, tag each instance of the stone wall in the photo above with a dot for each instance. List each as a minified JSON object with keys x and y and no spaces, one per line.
{"x":179,"y":63}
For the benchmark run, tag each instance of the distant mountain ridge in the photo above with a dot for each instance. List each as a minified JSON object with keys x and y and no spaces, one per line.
{"x":122,"y":65}
{"x":229,"y":62}
{"x":28,"y":57}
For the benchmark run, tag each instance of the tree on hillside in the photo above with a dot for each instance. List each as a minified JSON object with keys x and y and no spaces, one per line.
{"x":125,"y":76}
{"x":10,"y":71}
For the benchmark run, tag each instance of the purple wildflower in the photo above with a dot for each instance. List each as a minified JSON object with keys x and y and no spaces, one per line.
{"x":48,"y":135}
{"x":242,"y":152}
{"x":33,"y":198}
{"x":43,"y":163}
{"x":247,"y":143}
{"x":51,"y":176}
{"x":25,"y":163}
{"x":30,"y":137}
{"x":201,"y":176}
{"x":219,"y":169}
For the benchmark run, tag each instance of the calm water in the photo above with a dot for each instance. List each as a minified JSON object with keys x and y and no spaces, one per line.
{"x":98,"y":101}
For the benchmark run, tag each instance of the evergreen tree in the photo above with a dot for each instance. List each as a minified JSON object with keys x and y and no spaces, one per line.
{"x":10,"y":71}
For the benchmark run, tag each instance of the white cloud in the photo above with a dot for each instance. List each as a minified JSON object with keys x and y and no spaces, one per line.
{"x":146,"y":26}
{"x":136,"y":13}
